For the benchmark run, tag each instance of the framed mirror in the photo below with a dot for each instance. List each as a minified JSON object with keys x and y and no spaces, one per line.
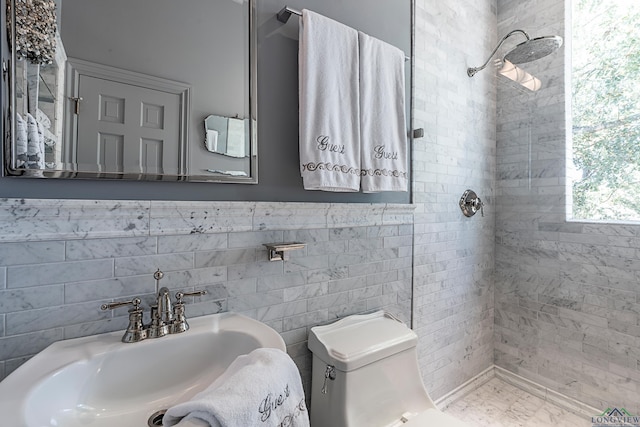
{"x":120,"y":89}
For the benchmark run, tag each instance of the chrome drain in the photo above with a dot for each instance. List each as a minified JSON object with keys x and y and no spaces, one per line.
{"x":155,"y":420}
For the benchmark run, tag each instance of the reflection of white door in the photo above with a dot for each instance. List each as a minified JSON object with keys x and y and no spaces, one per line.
{"x":126,"y":122}
{"x":126,"y":128}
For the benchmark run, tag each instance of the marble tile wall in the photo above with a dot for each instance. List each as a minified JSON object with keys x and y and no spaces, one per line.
{"x":567,"y":312}
{"x":454,"y":255}
{"x":61,"y":259}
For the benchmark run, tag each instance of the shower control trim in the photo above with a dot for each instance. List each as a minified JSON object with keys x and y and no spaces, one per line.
{"x":470,"y":203}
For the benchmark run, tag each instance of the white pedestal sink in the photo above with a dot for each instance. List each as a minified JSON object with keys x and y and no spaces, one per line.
{"x":98,"y":381}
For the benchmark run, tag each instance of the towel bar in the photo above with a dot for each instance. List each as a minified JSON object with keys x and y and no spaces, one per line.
{"x":286,"y":12}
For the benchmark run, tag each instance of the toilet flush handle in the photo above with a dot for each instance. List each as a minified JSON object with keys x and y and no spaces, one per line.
{"x":329,"y":374}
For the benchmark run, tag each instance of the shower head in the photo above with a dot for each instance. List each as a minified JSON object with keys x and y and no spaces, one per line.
{"x":533,"y":49}
{"x":527,"y":51}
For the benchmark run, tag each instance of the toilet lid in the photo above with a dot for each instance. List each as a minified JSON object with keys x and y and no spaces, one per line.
{"x":433,"y":418}
{"x":358,"y":340}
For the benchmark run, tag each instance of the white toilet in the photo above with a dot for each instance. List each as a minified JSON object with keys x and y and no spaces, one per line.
{"x":365,"y":374}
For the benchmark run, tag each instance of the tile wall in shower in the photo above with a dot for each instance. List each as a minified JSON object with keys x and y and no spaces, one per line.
{"x":454,"y":255}
{"x":567,"y":293}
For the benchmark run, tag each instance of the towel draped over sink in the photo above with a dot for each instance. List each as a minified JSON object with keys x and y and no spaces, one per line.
{"x":262,"y":388}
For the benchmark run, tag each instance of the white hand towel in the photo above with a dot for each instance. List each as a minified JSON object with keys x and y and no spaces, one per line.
{"x":329,"y":105}
{"x":35,"y":144}
{"x":212,"y":140}
{"x":43,"y":119}
{"x":21,"y":141}
{"x":49,"y":139}
{"x":382,"y":116}
{"x":262,"y":388}
{"x":235,"y":137}
{"x":40,"y":144}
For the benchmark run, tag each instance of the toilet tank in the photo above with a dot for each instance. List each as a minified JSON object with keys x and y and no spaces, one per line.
{"x":376,"y":381}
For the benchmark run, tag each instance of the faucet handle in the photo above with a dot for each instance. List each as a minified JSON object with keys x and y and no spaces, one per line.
{"x":181,"y":295}
{"x":180,"y":321}
{"x":135,"y":331}
{"x":135,"y":302}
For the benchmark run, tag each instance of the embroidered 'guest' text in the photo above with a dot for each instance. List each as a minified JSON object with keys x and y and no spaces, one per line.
{"x":380,"y":153}
{"x":271,"y":403}
{"x":325,"y":145}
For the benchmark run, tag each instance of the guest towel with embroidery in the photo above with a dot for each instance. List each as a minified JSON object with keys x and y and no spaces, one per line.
{"x":329,"y":104}
{"x":382,"y":116}
{"x":259,"y":389}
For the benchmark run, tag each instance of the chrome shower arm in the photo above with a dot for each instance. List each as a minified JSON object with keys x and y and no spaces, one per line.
{"x":472,"y":71}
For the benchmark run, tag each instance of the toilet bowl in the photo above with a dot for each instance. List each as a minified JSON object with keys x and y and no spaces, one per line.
{"x":365,"y":374}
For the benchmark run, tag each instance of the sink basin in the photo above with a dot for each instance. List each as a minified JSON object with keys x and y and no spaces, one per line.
{"x":99,"y":381}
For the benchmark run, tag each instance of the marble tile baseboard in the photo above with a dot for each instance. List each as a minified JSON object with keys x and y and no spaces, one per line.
{"x":558,"y":399}
{"x":565,"y":402}
{"x":500,"y":404}
{"x":466,"y":388}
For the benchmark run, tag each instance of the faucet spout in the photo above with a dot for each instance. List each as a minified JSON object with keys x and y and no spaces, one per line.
{"x":165,"y":310}
{"x":161,"y":311}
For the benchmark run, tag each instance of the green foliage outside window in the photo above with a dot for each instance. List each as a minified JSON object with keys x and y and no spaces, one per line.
{"x":606,"y":109}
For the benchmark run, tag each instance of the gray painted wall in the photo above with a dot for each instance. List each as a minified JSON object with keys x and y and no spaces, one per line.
{"x":278,"y":168}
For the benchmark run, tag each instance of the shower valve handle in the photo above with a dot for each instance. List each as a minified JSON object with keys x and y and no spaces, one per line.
{"x":470,"y":203}
{"x":478,"y":204}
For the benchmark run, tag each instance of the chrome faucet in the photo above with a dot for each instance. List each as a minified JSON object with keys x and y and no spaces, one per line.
{"x":166,"y":318}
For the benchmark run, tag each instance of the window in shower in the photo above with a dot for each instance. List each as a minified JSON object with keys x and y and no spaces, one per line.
{"x":606,"y":109}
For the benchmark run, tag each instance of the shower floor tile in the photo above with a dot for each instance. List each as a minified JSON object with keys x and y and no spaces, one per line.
{"x":500,"y":404}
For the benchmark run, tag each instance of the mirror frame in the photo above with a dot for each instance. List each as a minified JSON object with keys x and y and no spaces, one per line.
{"x":9,"y":168}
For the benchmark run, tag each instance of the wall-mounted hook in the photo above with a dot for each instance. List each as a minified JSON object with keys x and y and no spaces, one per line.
{"x":470,"y":203}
